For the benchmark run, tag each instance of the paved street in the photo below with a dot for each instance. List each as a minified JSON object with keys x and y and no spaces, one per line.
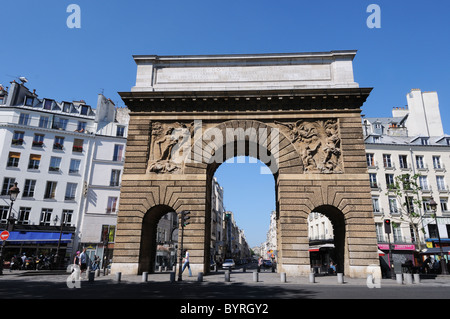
{"x":49,"y":285}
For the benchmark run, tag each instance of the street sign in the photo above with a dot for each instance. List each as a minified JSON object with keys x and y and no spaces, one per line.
{"x":4,"y":235}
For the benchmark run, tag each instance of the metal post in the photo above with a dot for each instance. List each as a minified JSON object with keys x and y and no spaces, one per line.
{"x":181,"y":250}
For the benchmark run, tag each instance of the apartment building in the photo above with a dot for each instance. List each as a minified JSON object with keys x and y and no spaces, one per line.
{"x":411,"y":142}
{"x":59,"y":154}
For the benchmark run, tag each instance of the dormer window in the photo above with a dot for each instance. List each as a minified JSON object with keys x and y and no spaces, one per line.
{"x":66,"y":107}
{"x":29,"y":101}
{"x":84,"y":110}
{"x":48,"y":104}
{"x":424,"y":141}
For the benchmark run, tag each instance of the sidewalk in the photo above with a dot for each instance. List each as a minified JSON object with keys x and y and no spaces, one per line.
{"x":238,"y":276}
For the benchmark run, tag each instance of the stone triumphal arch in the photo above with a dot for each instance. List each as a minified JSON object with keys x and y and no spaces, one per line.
{"x":298,"y":113}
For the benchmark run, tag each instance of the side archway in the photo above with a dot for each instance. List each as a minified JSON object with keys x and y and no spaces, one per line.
{"x":147,"y":255}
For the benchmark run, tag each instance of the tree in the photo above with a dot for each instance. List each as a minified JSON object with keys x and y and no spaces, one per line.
{"x":408,"y":194}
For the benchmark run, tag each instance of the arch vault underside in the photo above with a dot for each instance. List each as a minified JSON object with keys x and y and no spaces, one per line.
{"x":309,"y":136}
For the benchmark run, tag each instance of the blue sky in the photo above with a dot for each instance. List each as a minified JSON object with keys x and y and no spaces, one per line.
{"x":410,"y":50}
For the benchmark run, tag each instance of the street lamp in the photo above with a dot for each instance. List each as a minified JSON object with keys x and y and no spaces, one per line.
{"x":13,"y":192}
{"x":433,"y":206}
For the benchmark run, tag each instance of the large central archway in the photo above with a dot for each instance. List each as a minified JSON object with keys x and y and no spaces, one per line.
{"x":297,"y":113}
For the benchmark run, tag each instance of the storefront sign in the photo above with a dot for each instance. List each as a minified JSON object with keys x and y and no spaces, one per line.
{"x":397,"y":247}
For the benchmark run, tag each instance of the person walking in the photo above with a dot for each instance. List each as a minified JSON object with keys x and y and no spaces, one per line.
{"x":186,"y":263}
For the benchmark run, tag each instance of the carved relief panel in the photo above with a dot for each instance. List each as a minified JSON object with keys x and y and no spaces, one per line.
{"x":318,"y":143}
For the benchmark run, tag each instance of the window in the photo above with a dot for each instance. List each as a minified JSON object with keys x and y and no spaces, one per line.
{"x":441,"y":183}
{"x":403,"y":159}
{"x":67,"y":215}
{"x":29,"y":101}
{"x":370,"y":158}
{"x":426,"y":205}
{"x":409,"y":201}
{"x":8,"y":182}
{"x":390,"y":180}
{"x":423,"y":182}
{"x":58,"y":144}
{"x":112,"y":203}
{"x":46,"y":216}
{"x":81,"y":126}
{"x":419,"y":162}
{"x":60,"y":123}
{"x":77,"y":146}
{"x":444,"y":204}
{"x":74,"y":166}
{"x":24,"y":215}
{"x":115,"y":177}
{"x":13,"y":159}
{"x":66,"y":107}
{"x":55,"y":163}
{"x":393,"y":208}
{"x":424,"y":140}
{"x":120,"y":131}
{"x":50,"y":190}
{"x":34,"y":161}
{"x":376,"y":204}
{"x":373,"y":180}
{"x":24,"y":119}
{"x":43,"y":121}
{"x":48,"y":104}
{"x":17,"y":138}
{"x":84,"y":110}
{"x":437,"y":162}
{"x":38,"y":140}
{"x":71,"y":190}
{"x":4,"y":214}
{"x":118,"y":153}
{"x":432,"y":230}
{"x":387,"y":162}
{"x":379,"y":230}
{"x":28,"y":190}
{"x":397,"y":233}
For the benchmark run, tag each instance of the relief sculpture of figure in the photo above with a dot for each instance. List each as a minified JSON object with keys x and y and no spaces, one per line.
{"x":318,"y":143}
{"x":165,"y":140}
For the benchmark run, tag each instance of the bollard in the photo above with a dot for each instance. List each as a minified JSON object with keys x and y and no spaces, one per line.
{"x":312,"y":277}
{"x":408,"y":279}
{"x":144,"y":276}
{"x":369,"y":280}
{"x":172,"y":276}
{"x":340,"y":278}
{"x":255,"y":276}
{"x":227,"y":276}
{"x":97,"y":272}
{"x":283,"y":277}
{"x":417,"y":278}
{"x":200,"y":277}
{"x":118,"y":276}
{"x":91,"y":276}
{"x":398,"y":277}
{"x":244,"y":269}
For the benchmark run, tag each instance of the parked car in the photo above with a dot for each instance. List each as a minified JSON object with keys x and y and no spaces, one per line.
{"x":267,"y":263}
{"x":228,"y":264}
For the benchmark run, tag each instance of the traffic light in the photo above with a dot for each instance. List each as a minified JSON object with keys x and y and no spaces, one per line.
{"x":185,"y":217}
{"x":387,"y":226}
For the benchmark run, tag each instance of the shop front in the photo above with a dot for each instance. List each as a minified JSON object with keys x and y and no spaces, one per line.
{"x":38,"y":244}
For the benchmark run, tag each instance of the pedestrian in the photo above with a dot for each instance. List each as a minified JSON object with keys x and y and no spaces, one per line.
{"x":23,"y":258}
{"x":83,"y":261}
{"x":186,"y":263}
{"x":260,"y":262}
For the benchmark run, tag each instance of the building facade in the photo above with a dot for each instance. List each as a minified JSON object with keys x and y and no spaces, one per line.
{"x":410,"y":142}
{"x":54,"y":152}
